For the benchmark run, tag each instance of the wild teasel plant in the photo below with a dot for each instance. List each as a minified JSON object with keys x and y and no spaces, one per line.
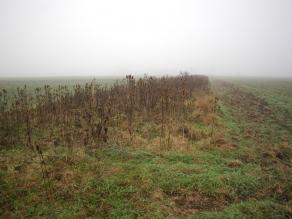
{"x":94,"y":114}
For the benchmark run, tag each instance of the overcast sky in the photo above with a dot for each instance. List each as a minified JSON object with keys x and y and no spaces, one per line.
{"x":114,"y":37}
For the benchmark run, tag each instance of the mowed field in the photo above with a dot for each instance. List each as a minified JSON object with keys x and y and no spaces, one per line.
{"x":239,"y":166}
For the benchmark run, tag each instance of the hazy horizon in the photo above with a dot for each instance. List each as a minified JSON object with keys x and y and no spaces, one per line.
{"x":233,"y":38}
{"x":138,"y":75}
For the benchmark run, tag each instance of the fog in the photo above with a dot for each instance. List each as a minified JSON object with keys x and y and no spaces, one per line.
{"x":100,"y":38}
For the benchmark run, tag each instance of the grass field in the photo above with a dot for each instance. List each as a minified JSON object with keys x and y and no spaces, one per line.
{"x":243,"y":171}
{"x":11,"y":84}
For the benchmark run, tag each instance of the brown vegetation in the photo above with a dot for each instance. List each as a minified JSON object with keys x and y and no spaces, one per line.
{"x":94,"y":115}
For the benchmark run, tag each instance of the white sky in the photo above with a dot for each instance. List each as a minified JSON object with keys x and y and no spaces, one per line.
{"x":115,"y":37}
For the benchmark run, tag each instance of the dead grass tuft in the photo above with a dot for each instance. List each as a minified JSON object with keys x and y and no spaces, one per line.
{"x":204,"y":108}
{"x":234,"y":163}
{"x":188,"y":203}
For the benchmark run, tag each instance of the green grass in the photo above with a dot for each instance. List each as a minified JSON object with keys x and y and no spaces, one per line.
{"x":277,"y":93}
{"x":249,"y":209}
{"x":123,"y":180}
